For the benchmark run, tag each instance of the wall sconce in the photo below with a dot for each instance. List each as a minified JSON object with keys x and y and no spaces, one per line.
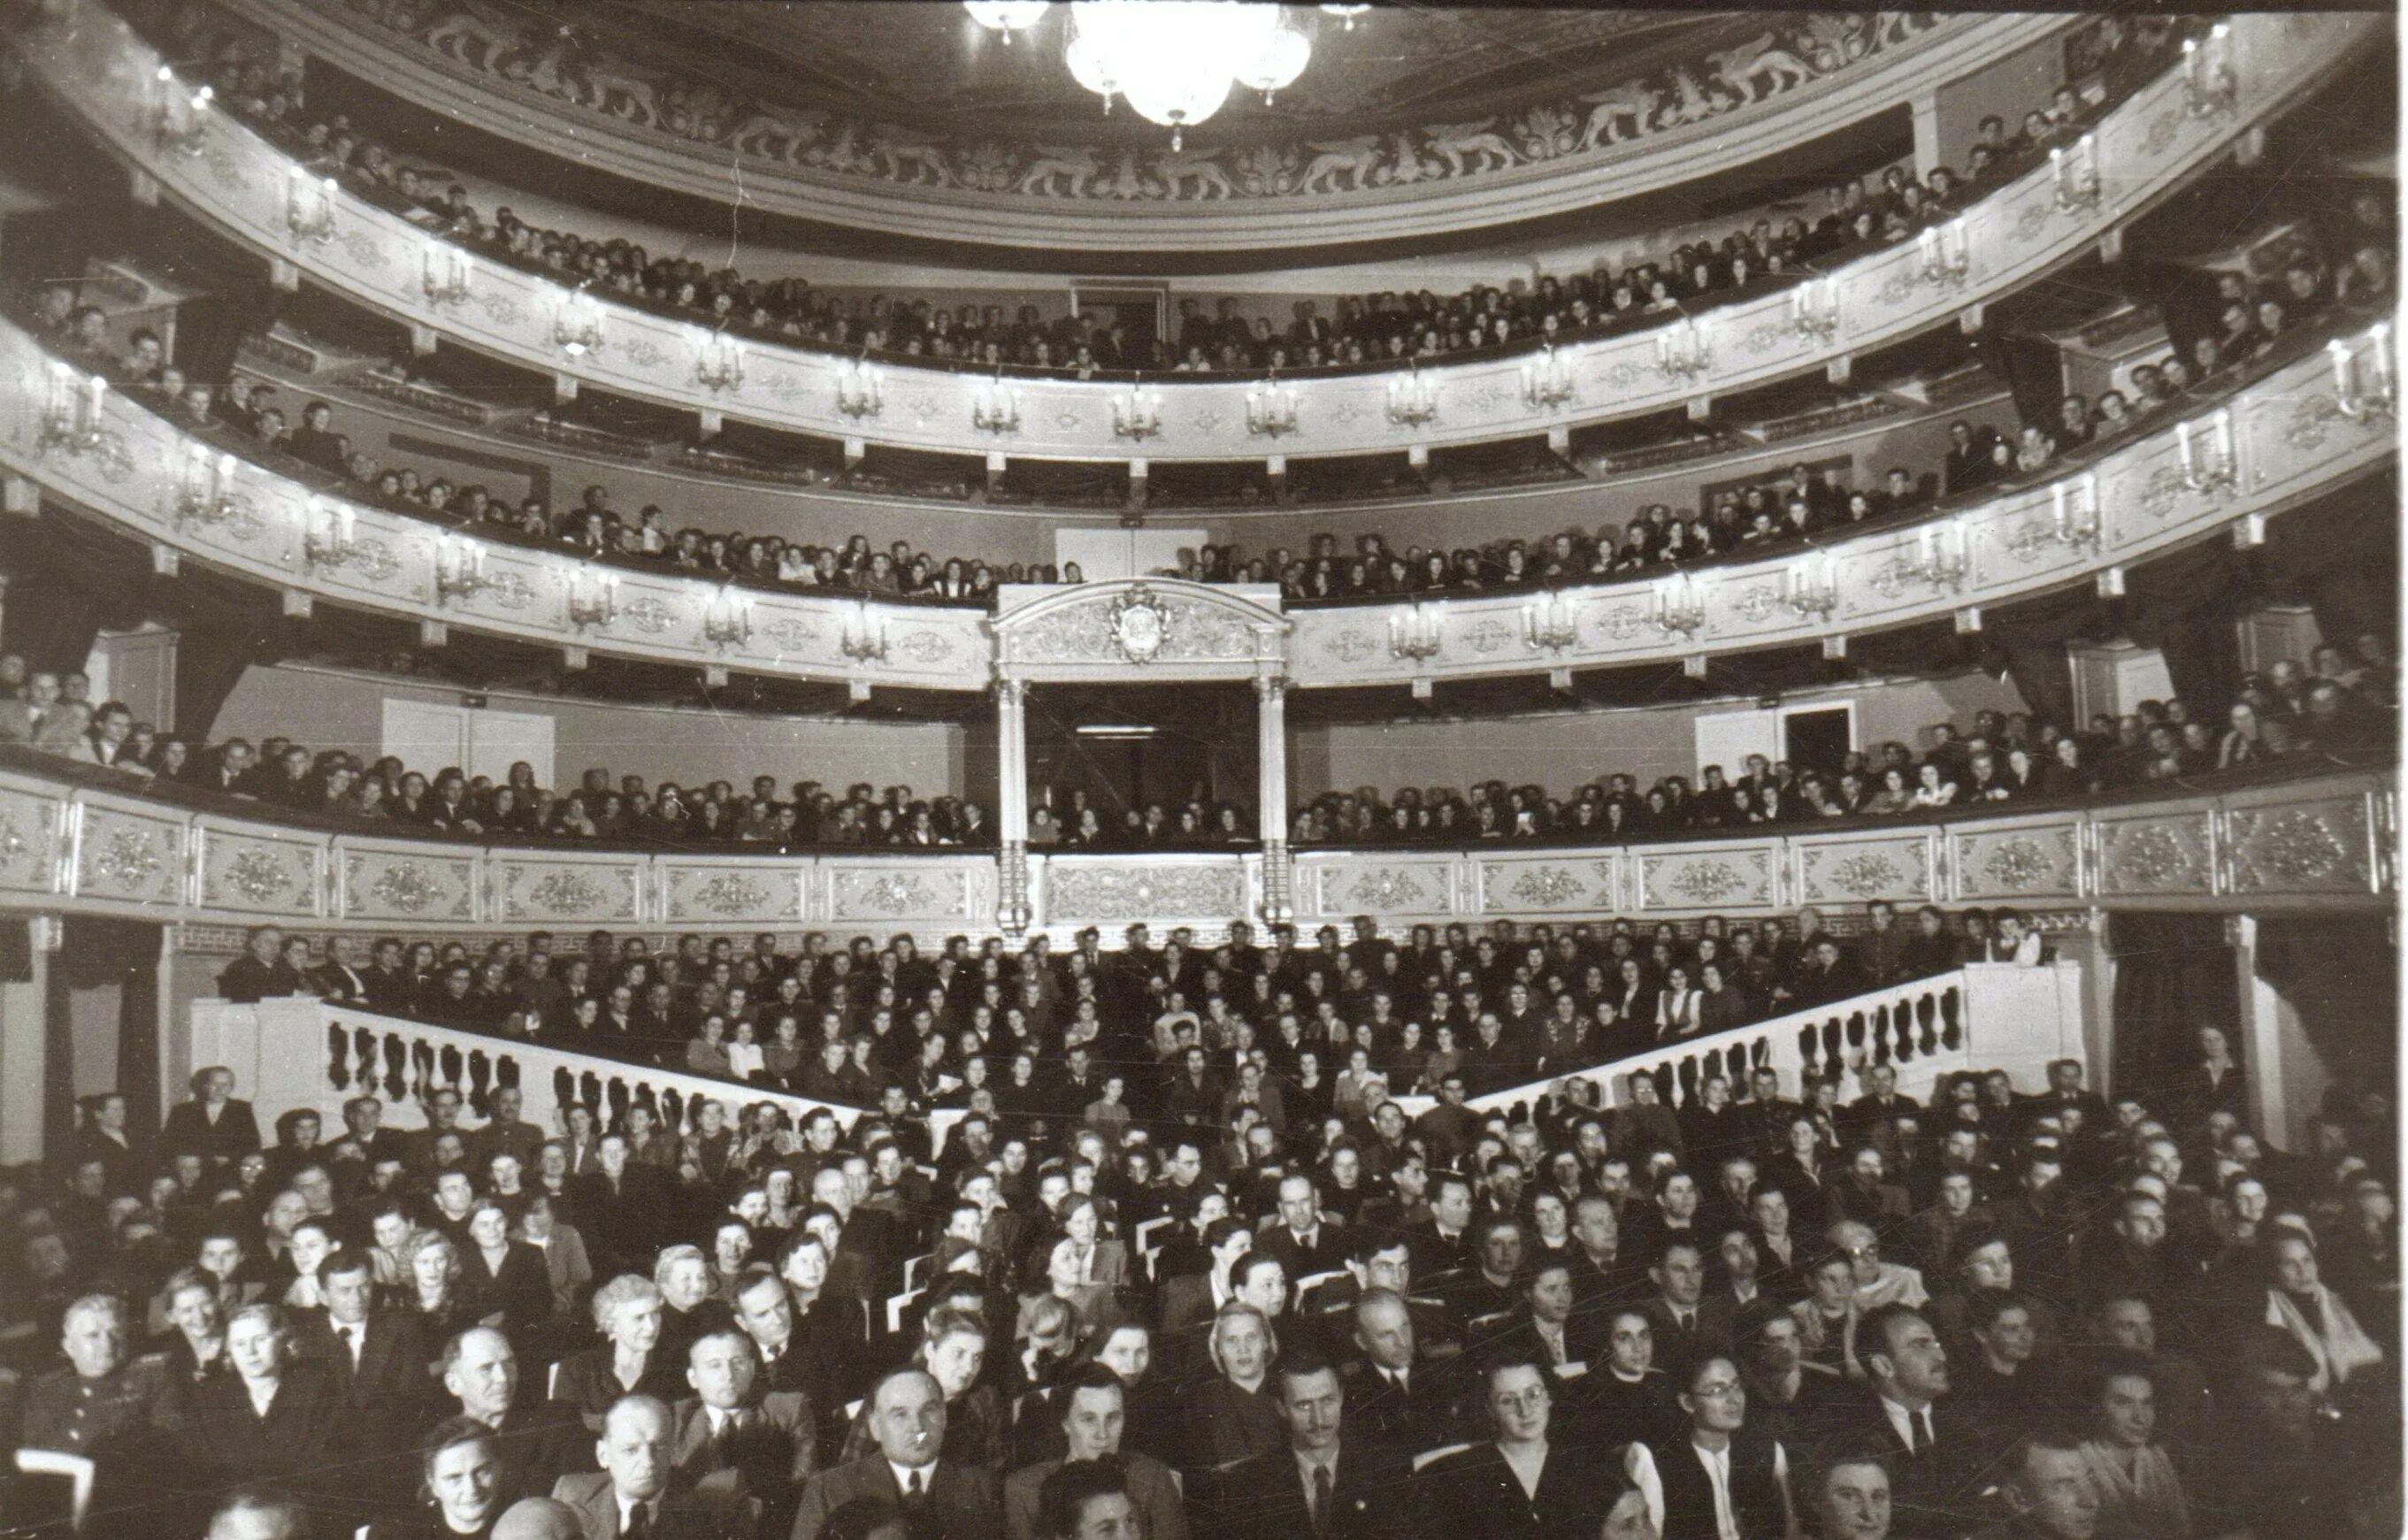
{"x":204,"y":495}
{"x":1681,"y":351}
{"x":1136,"y":413}
{"x":1814,"y":309}
{"x":2076,"y":173}
{"x":459,"y":569}
{"x":1547,"y":380}
{"x":2209,"y":469}
{"x":1680,"y":604}
{"x":181,"y":121}
{"x":72,"y":417}
{"x":1944,"y":555}
{"x":328,"y":533}
{"x":860,"y":388}
{"x":446,"y":272}
{"x":1947,"y":256}
{"x":718,"y":362}
{"x":864,"y":639}
{"x":2373,"y":400}
{"x":1552,"y":623}
{"x":1412,"y":400}
{"x":577,"y":325}
{"x":309,"y":206}
{"x":1272,"y":409}
{"x":727,"y":619}
{"x":995,"y":409}
{"x":1414,"y":631}
{"x":1811,"y":588}
{"x":2209,"y":85}
{"x":592,"y":598}
{"x":2073,"y":514}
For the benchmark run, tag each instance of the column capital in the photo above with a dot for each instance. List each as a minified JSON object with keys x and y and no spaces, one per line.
{"x":1270,"y":683}
{"x":1011,"y":689}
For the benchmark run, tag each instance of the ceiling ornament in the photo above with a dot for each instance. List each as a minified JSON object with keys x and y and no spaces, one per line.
{"x":1172,"y":60}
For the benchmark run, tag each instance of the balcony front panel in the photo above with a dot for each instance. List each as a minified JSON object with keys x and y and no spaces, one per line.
{"x":258,"y":197}
{"x":68,"y":844}
{"x":1553,"y":157}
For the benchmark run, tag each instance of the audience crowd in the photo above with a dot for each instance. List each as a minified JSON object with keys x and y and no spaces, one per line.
{"x":2346,"y":699}
{"x":1367,"y":330}
{"x":1192,"y":1277}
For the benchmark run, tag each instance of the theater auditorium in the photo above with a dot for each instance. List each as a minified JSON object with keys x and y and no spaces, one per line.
{"x":1196,"y":770}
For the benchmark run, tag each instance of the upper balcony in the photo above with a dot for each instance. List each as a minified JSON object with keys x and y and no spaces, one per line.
{"x":2308,"y":420}
{"x":903,"y":120}
{"x":256,"y":194}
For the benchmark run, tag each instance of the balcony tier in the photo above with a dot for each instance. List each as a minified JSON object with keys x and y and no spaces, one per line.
{"x":251,"y":191}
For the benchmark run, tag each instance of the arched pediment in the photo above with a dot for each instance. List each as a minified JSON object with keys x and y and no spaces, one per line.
{"x":1132,"y":628}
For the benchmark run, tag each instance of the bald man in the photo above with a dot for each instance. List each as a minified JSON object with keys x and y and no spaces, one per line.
{"x":633,"y":1494}
{"x":907,"y":1416}
{"x":539,"y":1519}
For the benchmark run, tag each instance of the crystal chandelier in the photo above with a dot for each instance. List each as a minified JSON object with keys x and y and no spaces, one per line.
{"x":1172,"y":60}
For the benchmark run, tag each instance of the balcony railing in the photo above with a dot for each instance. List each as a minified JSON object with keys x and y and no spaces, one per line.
{"x":86,"y":840}
{"x":254,"y":193}
{"x":2305,"y":422}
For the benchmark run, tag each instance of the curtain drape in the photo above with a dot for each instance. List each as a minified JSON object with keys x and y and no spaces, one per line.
{"x":2174,"y":975}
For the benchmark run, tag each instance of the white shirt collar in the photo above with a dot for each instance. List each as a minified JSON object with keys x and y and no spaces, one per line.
{"x":903,"y":1475}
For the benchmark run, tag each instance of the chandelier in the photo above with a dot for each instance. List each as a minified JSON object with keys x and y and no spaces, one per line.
{"x":1172,"y":60}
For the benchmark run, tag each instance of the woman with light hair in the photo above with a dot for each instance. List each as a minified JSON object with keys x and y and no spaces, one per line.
{"x":689,"y":1312}
{"x":630,"y":1362}
{"x":2299,"y":1304}
{"x":272,"y":1420}
{"x":1235,"y":1416}
{"x":435,"y":1282}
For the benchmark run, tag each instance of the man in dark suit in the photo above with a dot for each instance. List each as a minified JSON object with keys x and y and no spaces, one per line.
{"x":1396,"y":1397}
{"x":617,"y":1208}
{"x":261,"y":972}
{"x":1306,"y":1245}
{"x":736,"y":1434}
{"x":536,"y":1443}
{"x":213,"y":1124}
{"x":380,"y":1358}
{"x":1685,"y":1320}
{"x":336,"y":978}
{"x":387,"y":976}
{"x":1939,"y":1455}
{"x":635,"y":1495}
{"x":1321,"y":1483}
{"x":906,"y":1417}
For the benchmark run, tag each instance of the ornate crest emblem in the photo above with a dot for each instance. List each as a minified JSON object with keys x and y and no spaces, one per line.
{"x":1140,"y":624}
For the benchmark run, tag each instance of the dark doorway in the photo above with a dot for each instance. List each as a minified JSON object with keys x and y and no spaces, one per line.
{"x":1816,"y":739}
{"x":1124,"y":749}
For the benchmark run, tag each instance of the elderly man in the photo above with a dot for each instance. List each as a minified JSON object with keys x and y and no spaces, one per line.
{"x":536,"y":1444}
{"x":633,"y":1497}
{"x":1094,"y":1409}
{"x":906,"y":1417}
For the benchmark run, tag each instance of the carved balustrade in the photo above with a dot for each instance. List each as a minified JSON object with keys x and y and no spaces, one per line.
{"x":254,"y":194}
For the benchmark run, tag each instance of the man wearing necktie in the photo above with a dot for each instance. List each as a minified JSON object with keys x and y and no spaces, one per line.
{"x":635,"y":1496}
{"x":736,"y":1435}
{"x":906,"y":1417}
{"x":1939,"y":1460}
{"x":1321,"y":1482}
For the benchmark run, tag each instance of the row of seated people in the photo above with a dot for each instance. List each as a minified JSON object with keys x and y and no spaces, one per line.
{"x":2064,"y":1316}
{"x":2252,"y":318}
{"x":2346,"y":699}
{"x":1365,"y":329}
{"x":1169,"y":1039}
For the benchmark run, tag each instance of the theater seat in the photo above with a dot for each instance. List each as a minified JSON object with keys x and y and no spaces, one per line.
{"x":77,"y":1470}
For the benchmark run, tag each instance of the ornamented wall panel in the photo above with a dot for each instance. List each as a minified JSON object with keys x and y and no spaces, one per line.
{"x":2016,"y":865}
{"x":258,"y":874}
{"x":1107,"y":890}
{"x":29,"y":825}
{"x":1566,"y":881}
{"x":1377,"y":886}
{"x":2307,"y":848}
{"x":2156,"y":854}
{"x":888,"y":892}
{"x":566,"y":891}
{"x":399,"y":883}
{"x":1716,"y":877}
{"x":1860,"y":868}
{"x":130,"y":857}
{"x":748,"y":892}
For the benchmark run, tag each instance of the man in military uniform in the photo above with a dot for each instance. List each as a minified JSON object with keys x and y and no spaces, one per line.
{"x":100,"y":1406}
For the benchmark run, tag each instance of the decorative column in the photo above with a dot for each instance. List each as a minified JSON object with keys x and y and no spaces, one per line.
{"x":1270,"y":815}
{"x":1012,"y":804}
{"x":2286,"y":1074}
{"x":1929,"y":152}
